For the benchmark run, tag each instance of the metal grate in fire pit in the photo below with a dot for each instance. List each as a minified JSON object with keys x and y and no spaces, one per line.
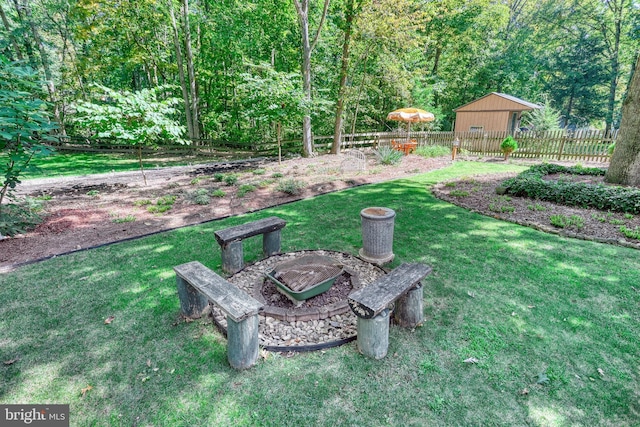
{"x":305,"y":277}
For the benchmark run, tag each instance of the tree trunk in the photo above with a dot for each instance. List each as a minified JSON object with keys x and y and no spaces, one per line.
{"x":615,"y":68}
{"x":44,"y":58}
{"x":337,"y":132}
{"x":191,"y":71}
{"x":27,"y":43}
{"x":302,"y":9}
{"x":16,"y":46}
{"x":183,"y":83}
{"x":625,"y":162}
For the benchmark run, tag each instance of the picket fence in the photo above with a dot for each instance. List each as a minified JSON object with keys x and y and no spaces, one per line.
{"x":583,"y":145}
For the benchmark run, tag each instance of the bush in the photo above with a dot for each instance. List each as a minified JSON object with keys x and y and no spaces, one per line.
{"x":530,"y":184}
{"x":244,"y":189}
{"x":230,"y":179}
{"x":218,"y":193}
{"x":508,"y":145}
{"x":291,"y":186}
{"x":388,"y":156}
{"x":429,"y":151}
{"x":16,"y":218}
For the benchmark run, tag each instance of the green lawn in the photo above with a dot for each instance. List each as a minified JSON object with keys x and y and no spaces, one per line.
{"x":530,"y":307}
{"x":72,"y":164}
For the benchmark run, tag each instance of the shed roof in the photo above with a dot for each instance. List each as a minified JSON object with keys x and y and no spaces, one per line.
{"x":485,"y":104}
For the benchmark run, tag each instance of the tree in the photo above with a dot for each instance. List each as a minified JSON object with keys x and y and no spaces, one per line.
{"x":24,"y":130}
{"x":302,"y":8}
{"x":352,"y":8}
{"x":625,"y":162}
{"x":138,"y":118}
{"x":271,"y":97}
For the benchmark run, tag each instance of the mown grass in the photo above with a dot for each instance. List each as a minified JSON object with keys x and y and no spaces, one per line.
{"x":72,"y":164}
{"x":525,"y":304}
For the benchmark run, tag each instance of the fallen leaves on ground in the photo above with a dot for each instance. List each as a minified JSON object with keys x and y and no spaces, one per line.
{"x":109,"y":319}
{"x":471,"y":360}
{"x":10,"y":361}
{"x":85,"y":390}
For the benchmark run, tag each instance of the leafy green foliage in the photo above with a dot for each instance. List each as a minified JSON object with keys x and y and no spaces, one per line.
{"x":140,"y":118}
{"x":245,"y":189}
{"x":218,"y":193}
{"x":230,"y":179}
{"x":508,"y":145}
{"x":563,"y":221}
{"x":24,"y":129}
{"x":631,"y":233}
{"x":163,"y":204}
{"x":429,"y":151}
{"x":388,"y":156}
{"x":542,"y":119}
{"x":530,"y":184}
{"x":290,"y":186}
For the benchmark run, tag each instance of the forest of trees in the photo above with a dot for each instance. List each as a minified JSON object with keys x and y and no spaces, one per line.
{"x":240,"y":70}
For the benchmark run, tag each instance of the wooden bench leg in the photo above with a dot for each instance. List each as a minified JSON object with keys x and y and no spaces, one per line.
{"x":409,"y":311}
{"x":271,"y":243}
{"x":373,"y":335}
{"x":232,"y":257}
{"x":192,"y":302}
{"x":242,"y":342}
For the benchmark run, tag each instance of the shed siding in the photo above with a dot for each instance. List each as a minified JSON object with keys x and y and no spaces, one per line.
{"x":493,"y":102}
{"x":490,"y":121}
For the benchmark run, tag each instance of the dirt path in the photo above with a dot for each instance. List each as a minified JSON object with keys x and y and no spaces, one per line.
{"x":93,"y":210}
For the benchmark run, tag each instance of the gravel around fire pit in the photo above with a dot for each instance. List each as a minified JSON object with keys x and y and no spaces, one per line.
{"x":322,"y":320}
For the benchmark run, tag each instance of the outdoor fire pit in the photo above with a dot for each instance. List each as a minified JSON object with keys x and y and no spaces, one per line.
{"x":319,"y":318}
{"x":305,"y":277}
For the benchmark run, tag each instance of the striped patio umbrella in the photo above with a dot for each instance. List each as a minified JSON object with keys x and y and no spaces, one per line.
{"x":411,"y":115}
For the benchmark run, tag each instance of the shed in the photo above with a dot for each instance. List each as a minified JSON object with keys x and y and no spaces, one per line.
{"x":495,"y":112}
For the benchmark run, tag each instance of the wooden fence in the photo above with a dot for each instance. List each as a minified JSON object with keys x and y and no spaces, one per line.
{"x":553,"y":145}
{"x":586,"y":145}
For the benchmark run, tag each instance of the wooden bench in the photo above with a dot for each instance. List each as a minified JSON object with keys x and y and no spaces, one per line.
{"x":198,"y":285}
{"x":230,"y":240}
{"x":371,"y":304}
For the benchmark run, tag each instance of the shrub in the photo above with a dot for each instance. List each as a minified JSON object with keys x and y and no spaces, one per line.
{"x":246,"y":188}
{"x":163,"y":204}
{"x":202,"y":199}
{"x":563,"y":221}
{"x":259,"y":171}
{"x":218,"y":177}
{"x":291,"y":186}
{"x":630,"y":233}
{"x":230,"y":179}
{"x":277,"y":175}
{"x":388,"y":156}
{"x":120,"y":220}
{"x":610,"y":149}
{"x":508,"y":145}
{"x":429,"y":151}
{"x":458,"y":193}
{"x":16,"y":218}
{"x":608,"y":198}
{"x":218,"y":193}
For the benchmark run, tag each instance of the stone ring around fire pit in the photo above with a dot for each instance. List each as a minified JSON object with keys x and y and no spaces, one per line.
{"x":318,"y":322}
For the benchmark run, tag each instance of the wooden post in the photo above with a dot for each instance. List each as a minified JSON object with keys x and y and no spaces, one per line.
{"x":232,"y":257}
{"x":373,"y":335}
{"x":192,"y":302}
{"x":271,"y":243}
{"x":409,"y":311}
{"x":242,"y":342}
